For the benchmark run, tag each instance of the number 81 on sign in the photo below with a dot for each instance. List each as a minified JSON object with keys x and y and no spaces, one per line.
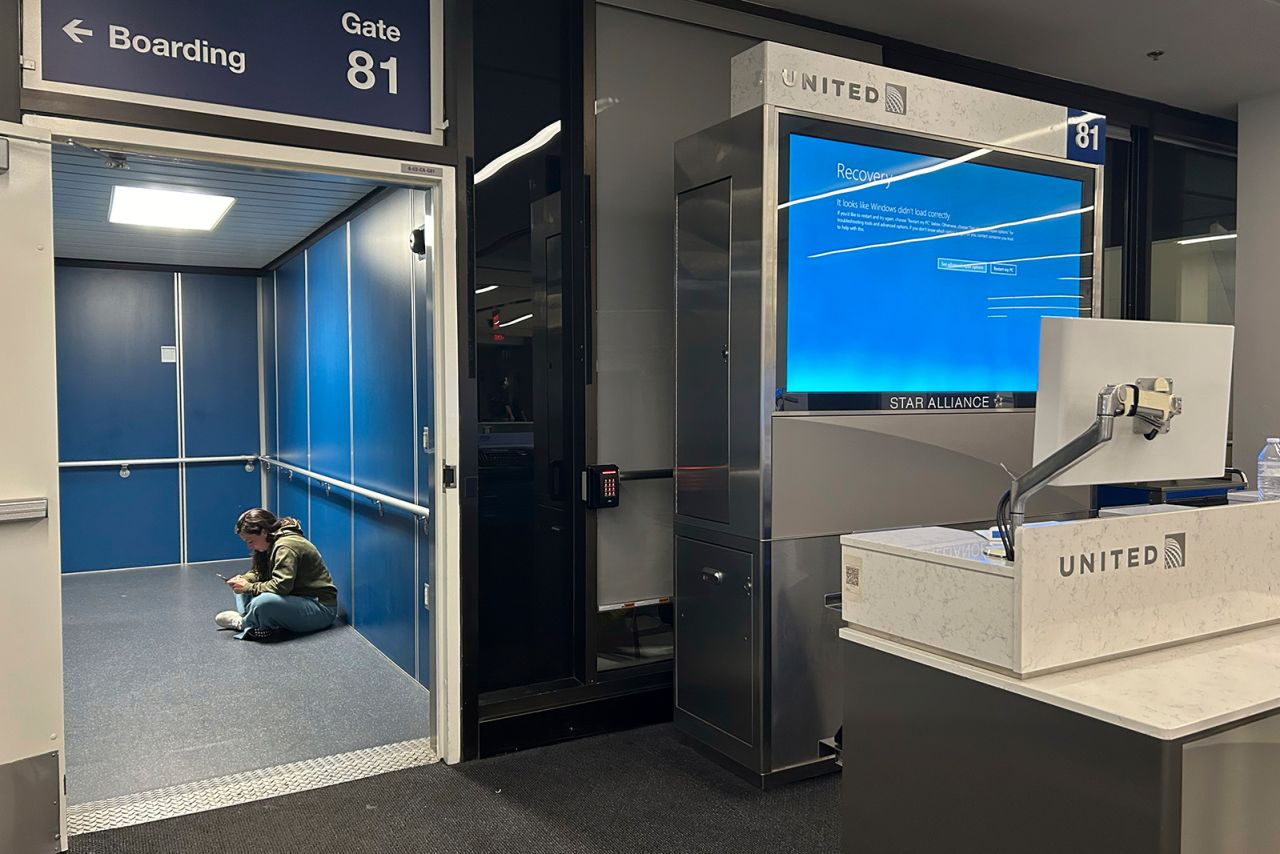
{"x":1086,"y":137}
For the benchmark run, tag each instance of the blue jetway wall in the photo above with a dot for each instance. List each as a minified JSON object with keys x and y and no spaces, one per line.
{"x":341,"y":330}
{"x":118,"y":399}
{"x":343,"y":398}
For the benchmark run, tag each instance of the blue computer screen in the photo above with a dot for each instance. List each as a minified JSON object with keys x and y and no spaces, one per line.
{"x":933,"y":282}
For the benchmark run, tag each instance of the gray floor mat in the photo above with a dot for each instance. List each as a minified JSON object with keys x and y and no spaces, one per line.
{"x":156,"y":695}
{"x":640,"y":791}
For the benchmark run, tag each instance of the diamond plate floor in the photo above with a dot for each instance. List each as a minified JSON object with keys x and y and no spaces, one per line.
{"x":157,"y":697}
{"x":247,"y":787}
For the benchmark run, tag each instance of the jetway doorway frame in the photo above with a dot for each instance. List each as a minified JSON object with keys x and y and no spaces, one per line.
{"x":445,"y":581}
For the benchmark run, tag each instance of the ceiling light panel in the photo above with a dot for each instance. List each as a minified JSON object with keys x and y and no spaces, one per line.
{"x":174,"y":209}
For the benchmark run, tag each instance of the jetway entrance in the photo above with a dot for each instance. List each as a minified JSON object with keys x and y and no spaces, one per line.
{"x":299,"y":355}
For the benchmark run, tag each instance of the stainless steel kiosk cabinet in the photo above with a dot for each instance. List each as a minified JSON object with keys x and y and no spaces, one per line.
{"x":768,"y":480}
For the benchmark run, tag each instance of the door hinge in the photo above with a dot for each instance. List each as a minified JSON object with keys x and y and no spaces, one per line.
{"x":426,"y":596}
{"x":426,"y":440}
{"x":450,"y":477}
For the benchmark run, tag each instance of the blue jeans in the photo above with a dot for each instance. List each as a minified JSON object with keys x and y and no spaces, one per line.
{"x":298,"y":614}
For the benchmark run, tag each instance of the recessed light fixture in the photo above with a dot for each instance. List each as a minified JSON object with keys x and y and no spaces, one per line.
{"x":175,"y":209}
{"x":1208,"y":239}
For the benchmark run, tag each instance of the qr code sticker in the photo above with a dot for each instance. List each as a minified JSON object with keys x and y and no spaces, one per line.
{"x":853,"y":579}
{"x":852,"y":575}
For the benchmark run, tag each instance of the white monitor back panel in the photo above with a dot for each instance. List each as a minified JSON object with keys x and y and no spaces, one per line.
{"x":1079,"y":356}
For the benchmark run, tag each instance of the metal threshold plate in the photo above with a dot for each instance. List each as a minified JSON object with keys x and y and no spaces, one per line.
{"x":248,"y":786}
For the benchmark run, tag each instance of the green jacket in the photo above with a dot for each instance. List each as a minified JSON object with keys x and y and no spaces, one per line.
{"x":293,"y":567}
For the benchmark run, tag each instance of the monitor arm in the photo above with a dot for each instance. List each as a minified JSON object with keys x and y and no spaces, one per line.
{"x":1150,"y":402}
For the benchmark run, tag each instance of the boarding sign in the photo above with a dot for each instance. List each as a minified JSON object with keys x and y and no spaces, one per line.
{"x":356,"y":66}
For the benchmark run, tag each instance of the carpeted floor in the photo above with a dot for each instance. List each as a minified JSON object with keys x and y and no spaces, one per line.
{"x":156,"y":695}
{"x":638,"y":791}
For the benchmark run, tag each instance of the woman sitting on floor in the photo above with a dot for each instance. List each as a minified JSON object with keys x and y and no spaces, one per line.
{"x":288,"y":587}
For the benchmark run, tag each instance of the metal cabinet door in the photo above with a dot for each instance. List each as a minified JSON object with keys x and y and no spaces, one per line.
{"x":715,"y":670}
{"x":31,"y":722}
{"x":702,"y":351}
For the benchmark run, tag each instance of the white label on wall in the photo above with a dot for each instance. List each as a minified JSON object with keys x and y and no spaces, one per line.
{"x":168,"y":354}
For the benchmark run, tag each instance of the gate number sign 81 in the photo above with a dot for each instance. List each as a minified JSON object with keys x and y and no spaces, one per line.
{"x":1086,"y":135}
{"x":361,"y":72}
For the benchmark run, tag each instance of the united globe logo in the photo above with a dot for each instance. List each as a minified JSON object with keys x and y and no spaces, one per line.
{"x":895,"y":98}
{"x":1175,"y":551}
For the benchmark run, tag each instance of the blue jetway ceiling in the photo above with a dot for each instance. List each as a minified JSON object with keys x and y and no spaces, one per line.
{"x":273,"y":212}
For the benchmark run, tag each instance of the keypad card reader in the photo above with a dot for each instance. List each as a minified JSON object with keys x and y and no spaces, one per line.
{"x":602,"y":486}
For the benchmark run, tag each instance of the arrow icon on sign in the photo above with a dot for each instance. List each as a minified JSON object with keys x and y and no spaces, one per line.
{"x":74,"y":31}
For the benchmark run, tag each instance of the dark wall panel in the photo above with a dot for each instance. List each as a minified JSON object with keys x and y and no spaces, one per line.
{"x":384,"y":590}
{"x":329,"y":359}
{"x":220,"y":364}
{"x":382,"y":350}
{"x":217,"y":493}
{"x":110,"y":522}
{"x":291,"y":359}
{"x":116,"y":398}
{"x":330,"y":531}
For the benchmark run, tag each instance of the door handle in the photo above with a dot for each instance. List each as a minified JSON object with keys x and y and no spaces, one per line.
{"x":713,"y":576}
{"x":555,"y":480}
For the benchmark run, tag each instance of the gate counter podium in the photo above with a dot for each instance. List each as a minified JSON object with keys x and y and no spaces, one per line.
{"x":1115,"y":686}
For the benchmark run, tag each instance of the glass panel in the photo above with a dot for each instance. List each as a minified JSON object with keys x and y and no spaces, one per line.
{"x":1115,"y":179}
{"x":635,"y":635}
{"x":526,"y":586}
{"x":1193,"y":254}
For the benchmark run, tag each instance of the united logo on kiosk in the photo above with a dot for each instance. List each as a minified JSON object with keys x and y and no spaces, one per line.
{"x":1175,"y":551}
{"x":895,"y":99}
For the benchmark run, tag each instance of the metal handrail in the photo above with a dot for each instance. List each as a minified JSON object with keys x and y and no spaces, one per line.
{"x":168,"y":461}
{"x":416,"y":509}
{"x":647,"y":474}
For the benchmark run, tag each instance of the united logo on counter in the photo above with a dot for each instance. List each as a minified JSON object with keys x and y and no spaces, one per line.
{"x":1175,"y":551}
{"x":1130,"y":557}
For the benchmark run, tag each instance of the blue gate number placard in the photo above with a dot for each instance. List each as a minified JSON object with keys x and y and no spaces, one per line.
{"x":359,"y":62}
{"x":1086,"y":137}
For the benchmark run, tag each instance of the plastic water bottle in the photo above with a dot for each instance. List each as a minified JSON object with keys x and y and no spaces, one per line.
{"x":1269,"y":471}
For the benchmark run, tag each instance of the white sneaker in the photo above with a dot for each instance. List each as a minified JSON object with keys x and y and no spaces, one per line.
{"x":229,"y":620}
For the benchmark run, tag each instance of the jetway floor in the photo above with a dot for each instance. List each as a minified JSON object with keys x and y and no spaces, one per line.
{"x":157,"y":696}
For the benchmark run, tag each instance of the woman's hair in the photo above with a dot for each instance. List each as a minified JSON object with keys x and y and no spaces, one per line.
{"x":262,"y":521}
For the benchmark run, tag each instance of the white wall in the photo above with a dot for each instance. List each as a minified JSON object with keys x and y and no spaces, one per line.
{"x":663,"y":72}
{"x":31,"y":628}
{"x":1257,"y":357}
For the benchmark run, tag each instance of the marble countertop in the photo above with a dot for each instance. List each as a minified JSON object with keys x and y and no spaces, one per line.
{"x":951,"y":546}
{"x":1169,"y":694}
